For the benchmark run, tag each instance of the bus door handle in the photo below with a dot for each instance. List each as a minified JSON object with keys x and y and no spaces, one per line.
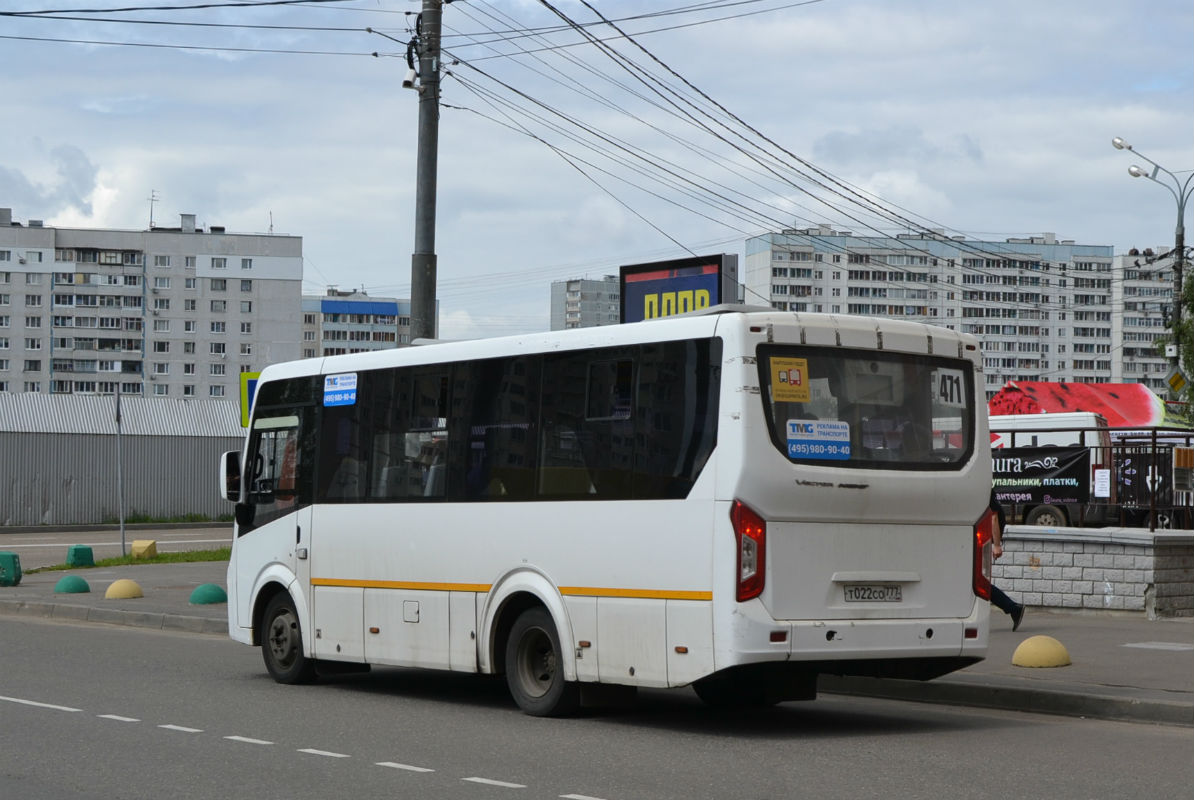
{"x":301,"y":553}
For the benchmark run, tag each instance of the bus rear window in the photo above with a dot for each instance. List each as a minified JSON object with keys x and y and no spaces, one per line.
{"x":868,"y":409}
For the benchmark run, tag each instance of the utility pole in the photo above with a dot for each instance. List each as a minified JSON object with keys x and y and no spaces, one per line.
{"x":422,"y":261}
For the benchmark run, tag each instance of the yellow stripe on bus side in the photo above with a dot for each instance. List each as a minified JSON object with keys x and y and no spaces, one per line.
{"x":421,"y":585}
{"x":573,"y":591}
{"x":651,"y":594}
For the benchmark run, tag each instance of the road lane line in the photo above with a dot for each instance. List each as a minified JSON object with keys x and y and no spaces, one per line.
{"x":489,"y":782}
{"x":408,"y":767}
{"x":327,"y":753}
{"x":1174,"y":646}
{"x":37,"y":704}
{"x":117,"y":718}
{"x":246,"y":740}
{"x":181,"y":729}
{"x":578,"y":797}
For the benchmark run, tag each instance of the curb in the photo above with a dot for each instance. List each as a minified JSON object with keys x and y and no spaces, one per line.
{"x":111,"y":616}
{"x":1011,"y":695}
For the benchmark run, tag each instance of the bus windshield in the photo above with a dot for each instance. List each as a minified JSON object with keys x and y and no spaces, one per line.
{"x":868,"y":409}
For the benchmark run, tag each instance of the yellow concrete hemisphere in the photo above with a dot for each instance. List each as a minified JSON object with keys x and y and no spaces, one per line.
{"x":1041,"y":651}
{"x":123,"y":589}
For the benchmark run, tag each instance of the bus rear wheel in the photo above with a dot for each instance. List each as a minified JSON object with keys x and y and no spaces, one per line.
{"x":282,"y":643}
{"x":535,"y":667}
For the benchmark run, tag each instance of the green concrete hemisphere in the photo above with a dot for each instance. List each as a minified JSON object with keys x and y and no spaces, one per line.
{"x":71,"y":584}
{"x":79,"y":555}
{"x":208,"y":594}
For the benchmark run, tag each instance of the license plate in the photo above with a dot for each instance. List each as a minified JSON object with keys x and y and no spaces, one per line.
{"x":873,"y":593}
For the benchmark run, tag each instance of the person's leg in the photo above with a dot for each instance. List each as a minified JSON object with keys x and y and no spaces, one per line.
{"x":1007,"y":606}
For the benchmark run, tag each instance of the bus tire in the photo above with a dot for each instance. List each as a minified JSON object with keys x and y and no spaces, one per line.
{"x":1048,"y":516}
{"x":535,"y":667}
{"x":282,"y":643}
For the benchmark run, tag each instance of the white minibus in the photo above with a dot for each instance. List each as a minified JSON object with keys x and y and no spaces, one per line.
{"x":734,"y":499}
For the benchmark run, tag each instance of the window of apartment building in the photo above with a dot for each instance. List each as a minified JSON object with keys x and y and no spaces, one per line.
{"x":188,"y":304}
{"x":161,"y":304}
{"x":132,"y":280}
{"x":161,"y":347}
{"x":217,"y":327}
{"x":215,"y":391}
{"x":32,"y":278}
{"x":219,"y":305}
{"x":33,"y":365}
{"x":161,"y":389}
{"x":189,"y":262}
{"x":219,"y":263}
{"x":5,"y":299}
{"x":32,"y":322}
{"x":188,"y":369}
{"x":32,"y":344}
{"x":32,"y":300}
{"x":161,"y":282}
{"x":161,"y":261}
{"x":188,"y":390}
{"x":161,"y":368}
{"x":188,"y":348}
{"x":246,"y":286}
{"x":246,"y":327}
{"x":308,"y":336}
{"x":219,"y":285}
{"x":5,"y":255}
{"x":5,"y":321}
{"x":309,"y":319}
{"x":217,"y":348}
{"x":246,"y":306}
{"x":188,"y":326}
{"x":3,"y":365}
{"x":246,"y":263}
{"x":191,"y":283}
{"x":308,"y":353}
{"x":32,"y":386}
{"x":246,"y":349}
{"x":245,"y":368}
{"x":216,"y":369}
{"x":161,"y":326}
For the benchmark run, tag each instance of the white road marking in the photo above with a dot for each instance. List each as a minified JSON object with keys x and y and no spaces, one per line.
{"x":327,"y":753}
{"x":1175,"y":646}
{"x":408,"y":767}
{"x":247,"y":740}
{"x":181,"y":729}
{"x":489,"y":782}
{"x":578,"y":797}
{"x":117,"y":718}
{"x":37,"y":704}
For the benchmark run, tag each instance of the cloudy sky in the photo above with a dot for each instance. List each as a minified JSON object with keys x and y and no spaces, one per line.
{"x":567,"y":149}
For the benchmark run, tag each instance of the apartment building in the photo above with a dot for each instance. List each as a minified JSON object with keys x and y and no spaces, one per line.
{"x":1042,"y":308}
{"x":353,"y":322}
{"x":1142,"y":299}
{"x":167,"y":312}
{"x":585,"y":303}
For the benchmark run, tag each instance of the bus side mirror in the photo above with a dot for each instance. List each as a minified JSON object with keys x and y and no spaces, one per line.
{"x":230,"y":475}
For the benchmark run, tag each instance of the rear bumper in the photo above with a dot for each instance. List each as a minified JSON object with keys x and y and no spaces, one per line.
{"x":858,"y":646}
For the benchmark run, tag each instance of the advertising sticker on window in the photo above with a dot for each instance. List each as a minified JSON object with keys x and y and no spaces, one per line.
{"x":789,"y":380}
{"x":340,"y":390}
{"x":811,"y":438}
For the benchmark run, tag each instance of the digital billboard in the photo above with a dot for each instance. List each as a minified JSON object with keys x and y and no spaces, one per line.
{"x":666,"y":288}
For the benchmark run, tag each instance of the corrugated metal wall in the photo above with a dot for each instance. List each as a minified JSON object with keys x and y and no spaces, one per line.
{"x":66,"y":479}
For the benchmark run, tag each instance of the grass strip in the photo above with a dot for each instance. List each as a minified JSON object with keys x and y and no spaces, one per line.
{"x":183,"y":557}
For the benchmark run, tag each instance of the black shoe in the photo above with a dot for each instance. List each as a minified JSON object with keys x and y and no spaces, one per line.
{"x":1017,"y":617}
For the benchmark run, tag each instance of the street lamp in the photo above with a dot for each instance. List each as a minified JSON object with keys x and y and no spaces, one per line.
{"x":1181,"y":193}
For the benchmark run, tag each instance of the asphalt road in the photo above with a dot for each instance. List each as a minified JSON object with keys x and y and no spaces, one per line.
{"x":49,"y":548}
{"x":88,"y":711}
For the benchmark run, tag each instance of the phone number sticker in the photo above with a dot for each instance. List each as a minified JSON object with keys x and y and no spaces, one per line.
{"x":818,"y":439}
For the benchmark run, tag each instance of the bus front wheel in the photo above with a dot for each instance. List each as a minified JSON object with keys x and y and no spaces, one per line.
{"x":535,"y":667}
{"x":282,"y":643}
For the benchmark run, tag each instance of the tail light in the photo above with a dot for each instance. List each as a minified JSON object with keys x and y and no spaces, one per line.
{"x":750,"y":532}
{"x":983,"y":536}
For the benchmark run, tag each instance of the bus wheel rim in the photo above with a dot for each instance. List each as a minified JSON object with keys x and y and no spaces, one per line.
{"x":282,"y":639}
{"x":536,"y":662}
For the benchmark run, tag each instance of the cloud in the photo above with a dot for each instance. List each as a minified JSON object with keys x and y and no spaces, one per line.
{"x":72,"y":189}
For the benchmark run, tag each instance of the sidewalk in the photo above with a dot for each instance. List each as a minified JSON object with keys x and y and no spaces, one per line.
{"x":1124,"y":666}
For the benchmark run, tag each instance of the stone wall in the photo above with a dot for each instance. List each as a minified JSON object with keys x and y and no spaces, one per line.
{"x":1120,"y":569}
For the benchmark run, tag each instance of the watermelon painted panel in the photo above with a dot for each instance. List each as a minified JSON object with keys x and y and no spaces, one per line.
{"x":1121,"y":404}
